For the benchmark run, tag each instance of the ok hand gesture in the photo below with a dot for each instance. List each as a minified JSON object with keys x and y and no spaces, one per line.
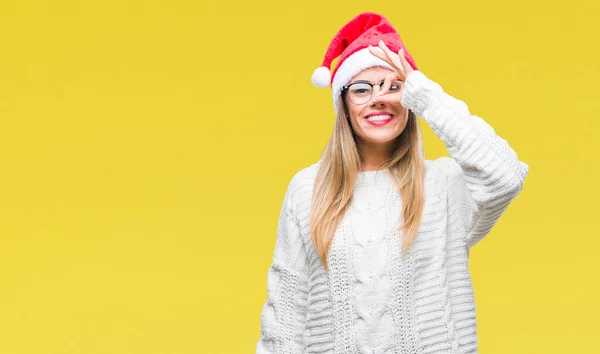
{"x":397,"y":61}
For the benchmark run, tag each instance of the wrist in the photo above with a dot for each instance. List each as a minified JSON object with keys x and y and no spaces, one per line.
{"x":417,"y":92}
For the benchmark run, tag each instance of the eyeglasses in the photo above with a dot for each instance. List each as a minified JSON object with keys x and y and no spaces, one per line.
{"x":360,"y":92}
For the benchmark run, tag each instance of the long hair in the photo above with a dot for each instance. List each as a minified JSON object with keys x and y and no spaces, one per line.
{"x":337,"y":174}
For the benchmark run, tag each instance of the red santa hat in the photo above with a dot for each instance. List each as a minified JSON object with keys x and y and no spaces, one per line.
{"x":351,"y":44}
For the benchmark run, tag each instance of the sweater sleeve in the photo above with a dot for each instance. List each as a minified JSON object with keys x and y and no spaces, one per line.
{"x":484,"y":173}
{"x":283,"y":316}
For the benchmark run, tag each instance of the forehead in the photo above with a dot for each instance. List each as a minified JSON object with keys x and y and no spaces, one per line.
{"x":373,"y":74}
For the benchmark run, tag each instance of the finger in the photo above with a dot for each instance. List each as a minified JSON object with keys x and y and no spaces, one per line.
{"x":387,"y":83}
{"x":379,"y":54}
{"x":384,"y":47}
{"x":395,"y":58}
{"x":405,"y":65}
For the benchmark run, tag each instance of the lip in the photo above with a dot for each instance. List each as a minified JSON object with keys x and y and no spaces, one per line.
{"x":379,"y":113}
{"x":380,"y":122}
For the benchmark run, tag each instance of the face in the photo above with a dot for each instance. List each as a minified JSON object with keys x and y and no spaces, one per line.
{"x":375,"y":132}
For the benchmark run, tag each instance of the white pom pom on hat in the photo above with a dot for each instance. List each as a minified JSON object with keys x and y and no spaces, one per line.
{"x":366,"y":29}
{"x":321,"y":77}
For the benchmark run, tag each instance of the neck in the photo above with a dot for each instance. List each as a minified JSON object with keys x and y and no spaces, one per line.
{"x":373,"y":156}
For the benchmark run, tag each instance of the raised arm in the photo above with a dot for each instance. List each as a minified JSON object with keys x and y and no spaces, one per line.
{"x":484,"y":173}
{"x":283,"y":317}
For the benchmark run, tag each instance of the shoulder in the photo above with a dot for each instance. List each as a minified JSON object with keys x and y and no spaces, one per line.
{"x":443,"y":178}
{"x":300,"y":187}
{"x":305,"y":176}
{"x":443,"y":166}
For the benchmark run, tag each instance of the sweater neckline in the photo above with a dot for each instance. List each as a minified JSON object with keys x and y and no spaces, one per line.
{"x":373,"y":177}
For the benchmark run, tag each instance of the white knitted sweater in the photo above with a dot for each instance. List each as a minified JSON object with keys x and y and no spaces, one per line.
{"x":371,"y":300}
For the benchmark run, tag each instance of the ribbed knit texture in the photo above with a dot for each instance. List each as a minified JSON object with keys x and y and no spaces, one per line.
{"x":372,"y":300}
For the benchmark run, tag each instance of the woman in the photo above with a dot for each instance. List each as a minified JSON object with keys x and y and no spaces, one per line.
{"x":373,"y":240}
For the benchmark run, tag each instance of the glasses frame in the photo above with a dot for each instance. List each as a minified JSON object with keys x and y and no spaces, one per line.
{"x":345,"y":88}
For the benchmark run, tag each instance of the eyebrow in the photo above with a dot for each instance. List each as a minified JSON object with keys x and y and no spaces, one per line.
{"x":365,"y":82}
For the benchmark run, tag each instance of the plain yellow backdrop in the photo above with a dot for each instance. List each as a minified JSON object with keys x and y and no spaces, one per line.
{"x":146,"y":146}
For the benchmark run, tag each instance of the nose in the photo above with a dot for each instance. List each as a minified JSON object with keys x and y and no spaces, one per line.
{"x":375,"y":99}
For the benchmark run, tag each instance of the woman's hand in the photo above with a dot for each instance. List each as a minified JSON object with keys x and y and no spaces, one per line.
{"x":397,"y":61}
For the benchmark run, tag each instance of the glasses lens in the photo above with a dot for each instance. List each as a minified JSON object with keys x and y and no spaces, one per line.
{"x":360,"y":93}
{"x":395,"y":87}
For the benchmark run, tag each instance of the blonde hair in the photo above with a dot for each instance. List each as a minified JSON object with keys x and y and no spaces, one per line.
{"x":337,"y":173}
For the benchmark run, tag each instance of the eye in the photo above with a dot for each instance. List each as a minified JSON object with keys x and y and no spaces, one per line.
{"x":360,"y":89}
{"x":395,"y":87}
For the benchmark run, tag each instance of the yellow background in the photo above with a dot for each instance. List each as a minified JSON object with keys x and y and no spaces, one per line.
{"x":146,"y":146}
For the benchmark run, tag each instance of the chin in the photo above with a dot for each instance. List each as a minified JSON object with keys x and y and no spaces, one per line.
{"x":381,"y":138}
{"x":382,"y":135}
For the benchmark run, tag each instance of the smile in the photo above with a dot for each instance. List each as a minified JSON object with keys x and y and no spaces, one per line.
{"x":379,"y":119}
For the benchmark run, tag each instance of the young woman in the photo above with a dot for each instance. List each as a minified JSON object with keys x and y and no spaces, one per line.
{"x":373,"y":242}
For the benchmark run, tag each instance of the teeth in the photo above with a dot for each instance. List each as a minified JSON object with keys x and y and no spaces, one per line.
{"x":382,"y":117}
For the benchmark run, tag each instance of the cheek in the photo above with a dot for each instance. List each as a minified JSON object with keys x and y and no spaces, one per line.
{"x":403,"y":122}
{"x":354,"y":118}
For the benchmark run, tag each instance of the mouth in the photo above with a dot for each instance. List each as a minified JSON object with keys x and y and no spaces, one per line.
{"x":379,"y":118}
